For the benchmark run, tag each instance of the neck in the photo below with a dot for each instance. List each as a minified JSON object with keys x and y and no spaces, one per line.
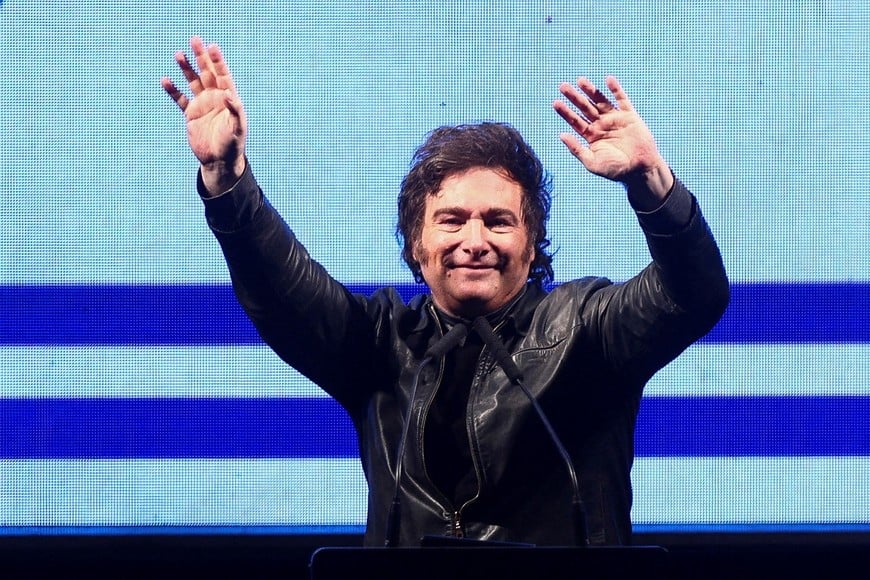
{"x":492,"y":316}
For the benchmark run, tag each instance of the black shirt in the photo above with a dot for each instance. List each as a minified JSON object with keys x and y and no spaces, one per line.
{"x":446,"y":444}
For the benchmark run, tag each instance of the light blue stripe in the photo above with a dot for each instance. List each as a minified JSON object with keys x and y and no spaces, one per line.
{"x":256,"y":371}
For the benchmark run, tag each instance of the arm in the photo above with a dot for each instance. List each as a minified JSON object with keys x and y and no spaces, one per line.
{"x":643,"y":324}
{"x":307,"y":317}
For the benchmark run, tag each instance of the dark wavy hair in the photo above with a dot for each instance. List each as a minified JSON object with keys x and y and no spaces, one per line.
{"x":454,"y":149}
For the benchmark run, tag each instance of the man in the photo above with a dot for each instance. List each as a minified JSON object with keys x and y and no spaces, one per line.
{"x":477,"y":460}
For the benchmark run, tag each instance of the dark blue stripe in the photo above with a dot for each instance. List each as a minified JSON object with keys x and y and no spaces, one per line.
{"x":209,"y":314}
{"x":123,"y":315}
{"x":110,"y":428}
{"x":796,"y":313}
{"x":754,"y":426}
{"x":314,"y":427}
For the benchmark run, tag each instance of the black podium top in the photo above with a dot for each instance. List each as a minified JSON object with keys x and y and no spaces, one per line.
{"x":485,"y":563}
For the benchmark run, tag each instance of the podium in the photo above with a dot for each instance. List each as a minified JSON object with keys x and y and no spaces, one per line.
{"x":484,"y":563}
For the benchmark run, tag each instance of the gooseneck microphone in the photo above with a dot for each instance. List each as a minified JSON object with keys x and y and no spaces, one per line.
{"x":447,"y":343}
{"x":482,"y":327}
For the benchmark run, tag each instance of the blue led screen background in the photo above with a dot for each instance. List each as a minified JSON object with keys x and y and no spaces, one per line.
{"x":133,"y":392}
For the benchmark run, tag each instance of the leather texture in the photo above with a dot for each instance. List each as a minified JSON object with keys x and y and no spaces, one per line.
{"x":586,"y":349}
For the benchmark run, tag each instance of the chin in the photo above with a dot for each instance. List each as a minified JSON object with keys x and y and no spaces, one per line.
{"x":474,"y":296}
{"x":472,"y":305}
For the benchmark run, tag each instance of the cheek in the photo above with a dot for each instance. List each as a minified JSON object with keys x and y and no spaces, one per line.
{"x":429,"y":247}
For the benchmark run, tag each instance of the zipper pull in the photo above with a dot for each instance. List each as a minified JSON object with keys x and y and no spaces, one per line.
{"x":456,"y":525}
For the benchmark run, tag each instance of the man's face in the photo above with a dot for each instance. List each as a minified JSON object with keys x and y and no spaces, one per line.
{"x":474,"y":249}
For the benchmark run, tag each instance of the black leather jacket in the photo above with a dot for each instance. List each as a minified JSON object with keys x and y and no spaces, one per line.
{"x":586,"y":349}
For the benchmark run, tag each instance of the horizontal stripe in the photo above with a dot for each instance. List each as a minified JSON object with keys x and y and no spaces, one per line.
{"x":753,"y":426}
{"x":650,"y":533}
{"x":173,"y":529}
{"x":761,"y":491}
{"x":192,"y":492}
{"x":795,"y":313}
{"x":209,"y":314}
{"x":105,"y":428}
{"x":122,"y":315}
{"x":255,"y":371}
{"x":747,"y":370}
{"x":163,"y":371}
{"x":670,"y":494}
{"x":644,"y":534}
{"x":180,"y":427}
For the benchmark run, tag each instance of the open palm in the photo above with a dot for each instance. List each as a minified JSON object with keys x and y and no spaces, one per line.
{"x":618,"y":142}
{"x":216,"y":121}
{"x":212,"y":127}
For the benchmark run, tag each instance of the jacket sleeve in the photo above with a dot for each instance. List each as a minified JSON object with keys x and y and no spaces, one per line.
{"x":644,"y":323}
{"x":308,"y":318}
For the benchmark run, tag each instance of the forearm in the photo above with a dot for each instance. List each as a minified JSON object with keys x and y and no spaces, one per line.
{"x":685,"y":254}
{"x":235,"y":206}
{"x":650,"y":319}
{"x":649,"y":190}
{"x":219,"y":177}
{"x":298,"y":309}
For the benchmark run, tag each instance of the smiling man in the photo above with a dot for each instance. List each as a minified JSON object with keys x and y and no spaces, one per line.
{"x":450,"y":438}
{"x":474,"y":250}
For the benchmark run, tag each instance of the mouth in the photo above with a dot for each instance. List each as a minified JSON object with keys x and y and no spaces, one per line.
{"x":472,"y":267}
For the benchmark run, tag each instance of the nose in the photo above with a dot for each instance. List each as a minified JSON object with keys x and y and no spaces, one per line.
{"x":474,"y":238}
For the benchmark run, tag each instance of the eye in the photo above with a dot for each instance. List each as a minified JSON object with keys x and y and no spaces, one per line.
{"x":500,"y":225}
{"x":450,"y":223}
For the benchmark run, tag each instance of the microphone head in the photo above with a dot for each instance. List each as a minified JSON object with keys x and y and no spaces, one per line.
{"x":484,"y":330}
{"x":450,"y":340}
{"x":482,"y":327}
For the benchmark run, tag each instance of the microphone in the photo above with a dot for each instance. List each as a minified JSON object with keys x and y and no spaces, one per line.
{"x":447,"y":343}
{"x":444,"y":345}
{"x":483,"y":329}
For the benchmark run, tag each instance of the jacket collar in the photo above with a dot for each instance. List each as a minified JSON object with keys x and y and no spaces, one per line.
{"x":515,"y":316}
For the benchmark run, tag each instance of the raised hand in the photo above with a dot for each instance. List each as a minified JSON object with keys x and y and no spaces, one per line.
{"x":619,"y":146}
{"x":216,"y":123}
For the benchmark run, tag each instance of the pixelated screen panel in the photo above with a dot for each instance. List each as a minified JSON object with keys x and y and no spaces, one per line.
{"x":134,"y":394}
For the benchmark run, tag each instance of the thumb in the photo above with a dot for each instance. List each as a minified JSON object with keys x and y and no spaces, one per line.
{"x":577,"y":149}
{"x":237,"y":110}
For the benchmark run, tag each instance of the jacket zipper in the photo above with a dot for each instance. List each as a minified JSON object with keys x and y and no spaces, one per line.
{"x":456,"y":524}
{"x":457,"y":528}
{"x":446,"y":505}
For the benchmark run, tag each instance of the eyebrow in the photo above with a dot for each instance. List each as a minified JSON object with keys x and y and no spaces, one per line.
{"x":493,"y":212}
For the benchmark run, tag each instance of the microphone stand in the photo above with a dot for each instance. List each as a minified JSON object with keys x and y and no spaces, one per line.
{"x":447,"y":342}
{"x":504,"y":360}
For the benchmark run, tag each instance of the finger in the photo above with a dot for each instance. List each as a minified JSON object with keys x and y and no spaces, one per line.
{"x":580,"y":100}
{"x":577,"y":149}
{"x":207,"y":74}
{"x":176,"y":95}
{"x":234,"y":106}
{"x":619,"y":94}
{"x":193,"y":80}
{"x":598,"y":99}
{"x":574,"y":120}
{"x":223,"y":78}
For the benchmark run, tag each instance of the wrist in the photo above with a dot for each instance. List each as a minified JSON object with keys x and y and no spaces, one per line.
{"x":647,"y":190}
{"x":219,"y":177}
